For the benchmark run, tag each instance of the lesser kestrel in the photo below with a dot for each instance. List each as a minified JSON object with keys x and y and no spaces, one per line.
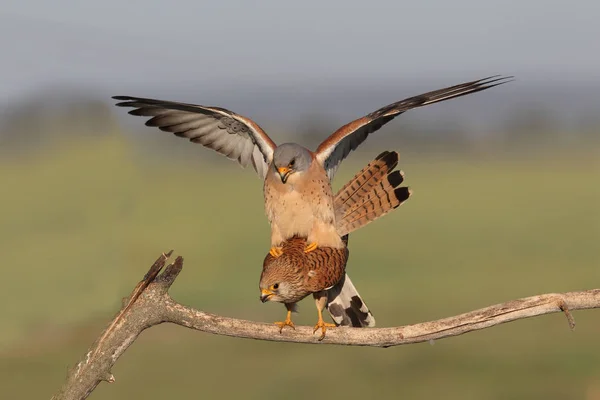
{"x":297,"y":182}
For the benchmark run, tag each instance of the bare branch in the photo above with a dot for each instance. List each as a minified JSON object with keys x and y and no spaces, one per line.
{"x":150,"y":304}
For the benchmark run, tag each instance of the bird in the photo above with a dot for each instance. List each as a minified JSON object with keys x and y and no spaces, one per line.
{"x":289,"y":278}
{"x":296,"y":274}
{"x":297,"y":182}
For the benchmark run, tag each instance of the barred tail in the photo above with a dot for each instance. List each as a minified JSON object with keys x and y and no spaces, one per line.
{"x":346,"y":307}
{"x":371,"y":194}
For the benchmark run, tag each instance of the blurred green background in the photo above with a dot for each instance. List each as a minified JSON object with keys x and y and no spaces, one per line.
{"x":85,"y":214}
{"x":505,"y":190}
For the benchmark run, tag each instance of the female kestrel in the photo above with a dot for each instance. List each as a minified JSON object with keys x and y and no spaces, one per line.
{"x":297,"y":182}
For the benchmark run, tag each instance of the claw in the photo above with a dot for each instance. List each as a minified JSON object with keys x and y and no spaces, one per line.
{"x":276,"y":251}
{"x":323,"y":326}
{"x":287,"y":322}
{"x":282,"y":324}
{"x":310,"y":247}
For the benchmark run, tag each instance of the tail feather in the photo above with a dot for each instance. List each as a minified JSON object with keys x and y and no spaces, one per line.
{"x":346,"y":307}
{"x":375,"y":208}
{"x":371,"y":194}
{"x":378,"y":196}
{"x":363,"y":182}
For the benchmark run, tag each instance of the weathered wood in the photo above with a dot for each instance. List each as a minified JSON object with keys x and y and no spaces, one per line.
{"x":150,"y":304}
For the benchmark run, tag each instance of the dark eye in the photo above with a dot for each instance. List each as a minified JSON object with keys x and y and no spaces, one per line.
{"x":276,"y":286}
{"x":292,"y":163}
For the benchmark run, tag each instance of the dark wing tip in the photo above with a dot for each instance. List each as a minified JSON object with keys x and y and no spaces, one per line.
{"x":126,"y":101}
{"x":484,"y":84}
{"x":493,"y":78}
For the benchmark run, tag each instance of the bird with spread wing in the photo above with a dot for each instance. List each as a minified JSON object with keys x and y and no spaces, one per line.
{"x":309,"y":225}
{"x":299,"y":201}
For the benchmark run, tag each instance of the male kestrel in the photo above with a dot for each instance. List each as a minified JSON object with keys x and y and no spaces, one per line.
{"x":297,"y":182}
{"x":289,"y":278}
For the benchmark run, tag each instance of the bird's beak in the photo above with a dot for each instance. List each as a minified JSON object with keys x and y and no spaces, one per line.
{"x":284,"y":173}
{"x":265,"y":294}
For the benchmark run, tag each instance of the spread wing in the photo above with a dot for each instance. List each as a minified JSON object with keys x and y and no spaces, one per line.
{"x":347,"y":138}
{"x":230,"y":134}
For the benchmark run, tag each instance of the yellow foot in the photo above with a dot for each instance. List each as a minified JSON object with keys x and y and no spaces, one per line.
{"x":323,"y":325}
{"x":276,"y":251}
{"x":310,"y":247}
{"x":282,"y":324}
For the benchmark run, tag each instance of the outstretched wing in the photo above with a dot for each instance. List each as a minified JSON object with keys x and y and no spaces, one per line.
{"x":347,"y":138}
{"x":228,"y":133}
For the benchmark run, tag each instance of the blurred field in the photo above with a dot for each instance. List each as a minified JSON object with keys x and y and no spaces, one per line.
{"x":81,"y":223}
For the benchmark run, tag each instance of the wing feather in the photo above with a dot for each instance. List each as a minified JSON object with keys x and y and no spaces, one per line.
{"x":232,"y":135}
{"x":347,"y":138}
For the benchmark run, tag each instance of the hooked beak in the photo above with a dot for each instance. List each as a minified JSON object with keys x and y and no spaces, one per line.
{"x":284,"y":173}
{"x":265,"y":294}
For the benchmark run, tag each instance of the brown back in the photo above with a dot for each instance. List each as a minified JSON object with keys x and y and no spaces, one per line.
{"x":320,"y":269}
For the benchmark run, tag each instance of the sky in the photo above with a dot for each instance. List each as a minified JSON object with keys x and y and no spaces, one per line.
{"x":134,"y":47}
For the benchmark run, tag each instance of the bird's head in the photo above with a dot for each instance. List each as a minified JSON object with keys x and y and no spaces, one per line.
{"x":290,"y":160}
{"x":270,"y":292}
{"x":282,"y":280}
{"x":276,"y":286}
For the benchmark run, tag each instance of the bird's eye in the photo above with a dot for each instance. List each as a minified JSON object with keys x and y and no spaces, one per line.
{"x":292,"y":163}
{"x":276,"y":286}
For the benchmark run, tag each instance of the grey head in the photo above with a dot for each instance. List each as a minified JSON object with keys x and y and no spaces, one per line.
{"x":291,"y":158}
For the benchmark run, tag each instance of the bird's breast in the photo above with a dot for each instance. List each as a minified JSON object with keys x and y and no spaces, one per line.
{"x":292,"y":213}
{"x":294,"y":207}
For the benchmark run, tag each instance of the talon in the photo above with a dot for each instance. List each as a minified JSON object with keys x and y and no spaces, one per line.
{"x":323,"y":325}
{"x":282,"y":324}
{"x":287,"y":322}
{"x":276,"y":251}
{"x":310,"y":247}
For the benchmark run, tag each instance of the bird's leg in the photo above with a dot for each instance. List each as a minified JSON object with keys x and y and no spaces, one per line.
{"x":288,"y":319}
{"x":276,"y":241}
{"x":310,"y":247}
{"x":321,"y":301}
{"x":276,"y":251}
{"x":287,"y":322}
{"x":322,"y":234}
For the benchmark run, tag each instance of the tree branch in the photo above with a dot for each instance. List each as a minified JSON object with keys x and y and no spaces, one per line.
{"x":150,"y":304}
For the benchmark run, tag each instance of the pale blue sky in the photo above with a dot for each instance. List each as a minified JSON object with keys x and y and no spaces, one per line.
{"x":116,"y":46}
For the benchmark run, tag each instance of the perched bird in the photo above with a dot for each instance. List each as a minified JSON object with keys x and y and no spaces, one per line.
{"x":289,"y":278}
{"x":296,"y":274}
{"x":297,"y":182}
